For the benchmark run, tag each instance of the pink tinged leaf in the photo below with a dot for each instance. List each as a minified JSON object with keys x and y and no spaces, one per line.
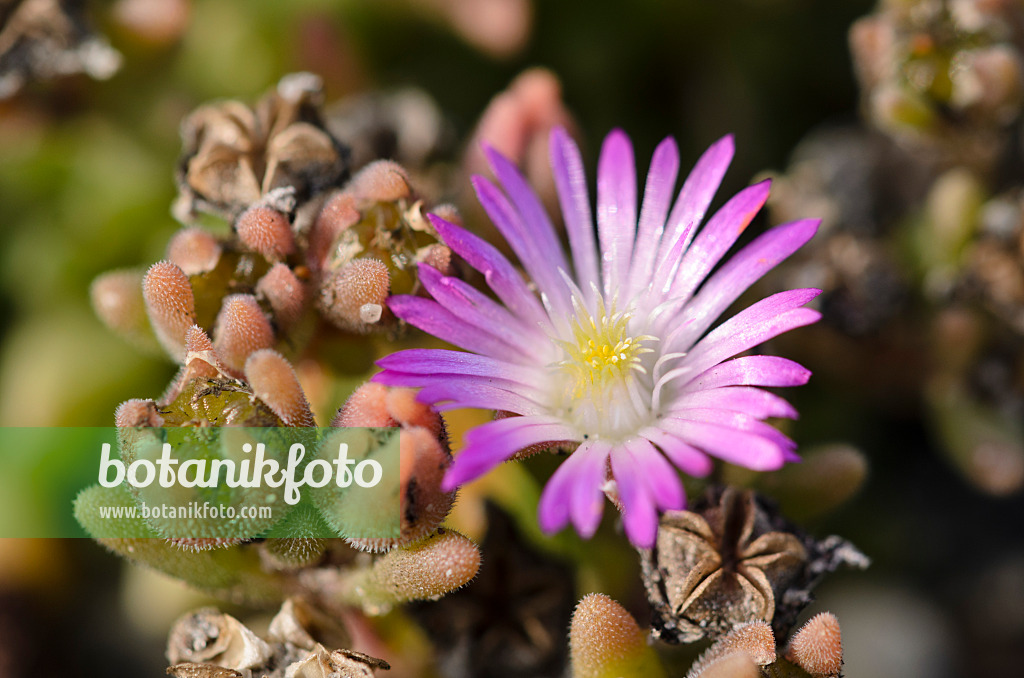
{"x":753,"y":325}
{"x":693,"y":201}
{"x":736,"y":447}
{"x":616,"y":209}
{"x":661,"y":180}
{"x":499,"y":274}
{"x":715,"y":239}
{"x":754,"y":401}
{"x":571,"y":184}
{"x":541,"y":265}
{"x":754,"y":370}
{"x":434,"y":319}
{"x":743,"y":270}
{"x":639,"y":514}
{"x":658,"y":474}
{"x":686,"y":457}
{"x":492,"y":443}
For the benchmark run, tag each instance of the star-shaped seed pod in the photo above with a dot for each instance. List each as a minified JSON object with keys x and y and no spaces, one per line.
{"x":278,"y":151}
{"x":730,"y":561}
{"x":44,"y":39}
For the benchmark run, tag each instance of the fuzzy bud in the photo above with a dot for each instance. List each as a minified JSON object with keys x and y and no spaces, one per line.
{"x":354,"y":298}
{"x":274,"y":382}
{"x":606,"y":642}
{"x":241,"y":329}
{"x":137,"y":412}
{"x":440,"y":564}
{"x":381,"y":181}
{"x":194,"y":251}
{"x":267,"y":231}
{"x":818,"y":646}
{"x":170,"y":305}
{"x":284,"y":292}
{"x":754,"y":640}
{"x":337,"y":214}
{"x":117,"y":299}
{"x":367,"y":406}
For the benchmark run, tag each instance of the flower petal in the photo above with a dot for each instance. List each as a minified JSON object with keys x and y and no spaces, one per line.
{"x":639,"y":514}
{"x":587,"y":497}
{"x":450,"y":391}
{"x":753,"y":325}
{"x":494,"y":442}
{"x":474,"y":307}
{"x":571,"y":184}
{"x":499,"y":274}
{"x":661,"y":180}
{"x":743,"y":270}
{"x":686,"y":457}
{"x":554,"y":508}
{"x":434,"y":360}
{"x":752,"y":370}
{"x":715,"y":239}
{"x":662,"y":480}
{"x":754,"y":401}
{"x":616,"y":209}
{"x":435,"y":319}
{"x":694,"y":198}
{"x":736,"y":447}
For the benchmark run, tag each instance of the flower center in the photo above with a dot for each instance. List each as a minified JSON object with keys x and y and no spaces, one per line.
{"x":598,"y":390}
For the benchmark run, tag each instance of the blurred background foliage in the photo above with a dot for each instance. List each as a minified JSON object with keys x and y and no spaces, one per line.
{"x":86,"y":184}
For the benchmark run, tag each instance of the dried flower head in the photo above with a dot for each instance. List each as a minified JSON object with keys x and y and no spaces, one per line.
{"x":730,"y":561}
{"x":43,"y":39}
{"x":234,"y":156}
{"x":617,"y":359}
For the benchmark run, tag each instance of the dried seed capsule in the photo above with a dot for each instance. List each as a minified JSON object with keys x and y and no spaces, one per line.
{"x":818,"y":646}
{"x":284,"y":293}
{"x":274,"y":382}
{"x":354,"y":298}
{"x":267,"y":231}
{"x":194,"y":251}
{"x":606,"y":642}
{"x":170,"y":305}
{"x":240,"y":330}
